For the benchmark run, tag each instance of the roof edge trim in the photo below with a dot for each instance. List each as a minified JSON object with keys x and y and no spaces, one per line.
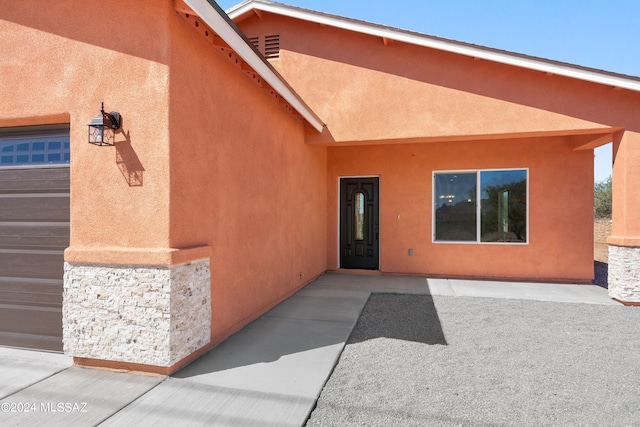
{"x":532,"y":63}
{"x":212,"y":15}
{"x":578,"y":132}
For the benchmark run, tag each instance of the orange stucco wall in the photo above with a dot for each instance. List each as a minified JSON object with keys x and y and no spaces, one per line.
{"x":207,"y":164}
{"x":626,"y":197}
{"x":560,"y":207}
{"x":243,"y":182}
{"x":366,"y":91}
{"x":370,"y":93}
{"x":56,"y":70}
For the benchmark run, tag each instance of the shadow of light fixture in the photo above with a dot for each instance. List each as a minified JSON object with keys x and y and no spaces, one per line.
{"x":103,"y":127}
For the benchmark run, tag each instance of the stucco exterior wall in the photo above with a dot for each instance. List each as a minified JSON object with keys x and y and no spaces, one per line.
{"x":366,"y":91}
{"x":372,"y":91}
{"x":57,"y":68}
{"x":207,"y":165}
{"x":560,"y":208}
{"x":626,"y":181}
{"x":243,"y":182}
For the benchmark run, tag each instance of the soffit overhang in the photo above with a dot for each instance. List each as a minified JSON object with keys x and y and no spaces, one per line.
{"x":233,"y":40}
{"x":389,"y":34}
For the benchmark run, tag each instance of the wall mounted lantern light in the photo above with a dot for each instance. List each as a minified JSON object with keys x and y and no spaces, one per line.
{"x":102,"y":129}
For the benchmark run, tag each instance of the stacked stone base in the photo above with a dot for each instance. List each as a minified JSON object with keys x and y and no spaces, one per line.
{"x":624,"y":274}
{"x":141,"y":315}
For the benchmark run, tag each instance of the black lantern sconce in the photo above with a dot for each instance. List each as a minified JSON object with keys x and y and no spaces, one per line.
{"x":102,"y":129}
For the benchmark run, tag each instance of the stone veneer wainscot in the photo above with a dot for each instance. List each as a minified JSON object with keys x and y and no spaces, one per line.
{"x":148,"y":315}
{"x":624,"y":275}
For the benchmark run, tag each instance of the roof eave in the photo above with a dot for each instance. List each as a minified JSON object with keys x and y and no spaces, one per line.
{"x":214,"y":17}
{"x":522,"y":61}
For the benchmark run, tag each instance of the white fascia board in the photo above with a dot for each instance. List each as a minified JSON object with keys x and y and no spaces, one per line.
{"x":423,"y":40}
{"x":213,"y":19}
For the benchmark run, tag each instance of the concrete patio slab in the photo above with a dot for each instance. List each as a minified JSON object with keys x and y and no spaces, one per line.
{"x":270,"y":373}
{"x":274,"y":355}
{"x":312,"y":290}
{"x":440,"y":287}
{"x":48,"y":357}
{"x":21,"y":368}
{"x":586,"y":294}
{"x":372,"y":283}
{"x":339,"y":308}
{"x":178,"y":402}
{"x":19,"y":374}
{"x":76,"y":397}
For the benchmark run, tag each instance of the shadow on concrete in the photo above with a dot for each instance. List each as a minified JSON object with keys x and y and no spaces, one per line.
{"x":402,"y":317}
{"x":310,"y":328}
{"x":267,"y":342}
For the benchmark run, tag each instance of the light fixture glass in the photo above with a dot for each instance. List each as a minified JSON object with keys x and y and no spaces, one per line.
{"x":103,"y":127}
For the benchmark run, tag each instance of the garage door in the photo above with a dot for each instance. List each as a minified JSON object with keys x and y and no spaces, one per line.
{"x":34,"y":231}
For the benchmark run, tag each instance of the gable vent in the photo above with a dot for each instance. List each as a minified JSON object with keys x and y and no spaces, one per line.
{"x":255,"y":41}
{"x":272,"y":46}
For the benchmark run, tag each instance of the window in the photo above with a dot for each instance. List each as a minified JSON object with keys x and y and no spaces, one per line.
{"x":359,"y":216}
{"x":455,"y":206}
{"x":495,"y":213}
{"x":43,"y":145}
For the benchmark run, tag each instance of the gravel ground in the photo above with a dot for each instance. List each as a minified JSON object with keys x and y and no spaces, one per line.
{"x":453,"y":361}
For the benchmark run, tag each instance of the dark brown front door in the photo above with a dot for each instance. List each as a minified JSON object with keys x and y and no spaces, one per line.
{"x":359,"y":223}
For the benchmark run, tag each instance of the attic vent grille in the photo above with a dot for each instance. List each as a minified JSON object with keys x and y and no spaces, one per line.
{"x":255,"y":41}
{"x":272,"y":46}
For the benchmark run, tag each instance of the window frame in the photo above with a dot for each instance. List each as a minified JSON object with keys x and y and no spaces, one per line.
{"x":43,"y":132}
{"x":478,"y":206}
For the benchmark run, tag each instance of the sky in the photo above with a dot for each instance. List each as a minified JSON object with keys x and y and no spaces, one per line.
{"x":601,"y":34}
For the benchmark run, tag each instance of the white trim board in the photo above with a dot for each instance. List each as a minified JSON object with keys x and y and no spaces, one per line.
{"x":213,"y":18}
{"x":418,"y":39}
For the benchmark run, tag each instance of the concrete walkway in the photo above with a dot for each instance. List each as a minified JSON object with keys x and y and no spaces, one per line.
{"x":268,"y":374}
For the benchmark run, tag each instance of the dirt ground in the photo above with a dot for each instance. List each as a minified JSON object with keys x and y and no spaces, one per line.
{"x":601,"y":230}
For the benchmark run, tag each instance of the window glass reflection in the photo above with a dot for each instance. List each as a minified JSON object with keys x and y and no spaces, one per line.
{"x":455,"y":202}
{"x":359,"y":216}
{"x":503,"y":206}
{"x":29,"y":151}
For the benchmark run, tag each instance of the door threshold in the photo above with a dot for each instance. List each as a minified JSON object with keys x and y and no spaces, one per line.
{"x":357,"y":271}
